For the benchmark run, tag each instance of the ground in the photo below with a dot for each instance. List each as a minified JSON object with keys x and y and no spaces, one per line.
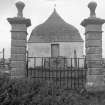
{"x":30,"y":92}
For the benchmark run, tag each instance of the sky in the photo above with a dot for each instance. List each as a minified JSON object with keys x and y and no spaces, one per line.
{"x":72,"y":11}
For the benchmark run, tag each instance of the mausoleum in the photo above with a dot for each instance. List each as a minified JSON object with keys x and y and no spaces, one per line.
{"x":55,"y":37}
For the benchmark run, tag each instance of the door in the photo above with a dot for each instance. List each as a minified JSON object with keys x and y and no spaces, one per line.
{"x":54,"y":50}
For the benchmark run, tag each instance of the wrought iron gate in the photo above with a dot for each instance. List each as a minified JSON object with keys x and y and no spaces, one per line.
{"x":63,"y":72}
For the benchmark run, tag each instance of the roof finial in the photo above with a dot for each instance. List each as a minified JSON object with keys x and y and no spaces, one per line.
{"x":55,"y":6}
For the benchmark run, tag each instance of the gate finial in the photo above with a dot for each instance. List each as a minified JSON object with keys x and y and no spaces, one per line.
{"x":20,"y":6}
{"x":92,"y":6}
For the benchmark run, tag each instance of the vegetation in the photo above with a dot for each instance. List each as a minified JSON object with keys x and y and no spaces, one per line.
{"x":30,"y":92}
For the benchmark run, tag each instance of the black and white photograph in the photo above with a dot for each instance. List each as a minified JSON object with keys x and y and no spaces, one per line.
{"x":52,"y":52}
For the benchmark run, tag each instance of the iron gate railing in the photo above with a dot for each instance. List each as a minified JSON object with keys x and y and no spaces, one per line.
{"x":63,"y":72}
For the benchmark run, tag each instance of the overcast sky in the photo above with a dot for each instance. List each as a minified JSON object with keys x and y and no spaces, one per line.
{"x":72,"y":11}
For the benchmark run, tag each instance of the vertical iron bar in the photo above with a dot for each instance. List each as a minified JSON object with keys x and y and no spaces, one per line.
{"x":41,"y":77}
{"x":85,"y":75}
{"x":45,"y":76}
{"x":27,"y":64}
{"x":82,"y":77}
{"x":27,"y":69}
{"x":78,"y":74}
{"x":71,"y":73}
{"x":38,"y":69}
{"x":34,"y":69}
{"x":66,"y":72}
{"x":63,"y":75}
{"x":60,"y":78}
{"x":78,"y":64}
{"x":49,"y":60}
{"x":56,"y":63}
{"x":82,"y":72}
{"x":78,"y":77}
{"x":56,"y":76}
{"x":85,"y":66}
{"x":74,"y":77}
{"x":34,"y":62}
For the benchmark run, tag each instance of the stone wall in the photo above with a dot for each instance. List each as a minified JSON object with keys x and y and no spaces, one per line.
{"x":66,"y":49}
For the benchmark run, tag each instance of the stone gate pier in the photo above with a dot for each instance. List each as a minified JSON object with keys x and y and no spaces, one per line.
{"x":93,"y":45}
{"x":18,"y":42}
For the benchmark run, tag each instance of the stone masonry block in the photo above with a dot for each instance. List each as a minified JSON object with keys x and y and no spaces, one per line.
{"x":95,"y":83}
{"x":95,"y":87}
{"x":17,"y":72}
{"x":95,"y":57}
{"x":18,"y":43}
{"x":94,"y":27}
{"x":94,"y":50}
{"x":18,"y":64}
{"x":94,"y":64}
{"x":18,"y":57}
{"x":19,"y":35}
{"x":18,"y":50}
{"x":95,"y":78}
{"x":94,"y":43}
{"x":19,"y":27}
{"x":93,"y":36}
{"x":95,"y":71}
{"x":17,"y":77}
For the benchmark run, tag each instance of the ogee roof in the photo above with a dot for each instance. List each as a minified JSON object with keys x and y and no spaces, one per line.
{"x":55,"y":29}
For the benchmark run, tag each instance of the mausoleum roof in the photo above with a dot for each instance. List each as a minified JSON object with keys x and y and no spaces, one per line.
{"x":55,"y":29}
